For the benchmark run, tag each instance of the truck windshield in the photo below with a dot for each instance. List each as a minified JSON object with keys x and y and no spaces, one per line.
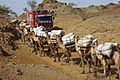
{"x":44,"y":18}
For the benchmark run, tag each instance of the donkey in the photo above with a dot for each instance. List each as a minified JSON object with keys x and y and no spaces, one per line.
{"x":64,"y":48}
{"x":53,"y":47}
{"x":114,"y":59}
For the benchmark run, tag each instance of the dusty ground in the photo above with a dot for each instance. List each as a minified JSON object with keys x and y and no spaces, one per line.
{"x":23,"y":65}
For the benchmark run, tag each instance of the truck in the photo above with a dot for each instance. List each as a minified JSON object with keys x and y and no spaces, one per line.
{"x":40,"y":18}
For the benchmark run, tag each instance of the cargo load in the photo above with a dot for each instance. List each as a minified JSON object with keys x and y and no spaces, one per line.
{"x":68,"y":39}
{"x":38,"y":30}
{"x":86,"y":41}
{"x":105,"y":49}
{"x":55,"y":32}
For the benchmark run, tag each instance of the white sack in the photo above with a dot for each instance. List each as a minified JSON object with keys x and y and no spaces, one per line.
{"x":27,"y":26}
{"x":41,"y":33}
{"x":104,"y":49}
{"x":56,"y":32}
{"x":68,"y":39}
{"x":86,"y":41}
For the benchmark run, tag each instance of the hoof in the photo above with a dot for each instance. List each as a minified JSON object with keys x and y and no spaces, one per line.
{"x":54,"y":61}
{"x":80,"y":65}
{"x":83,"y":73}
{"x":67,"y":61}
{"x":32,"y":51}
{"x":50,"y":56}
{"x":72,"y":64}
{"x":95,"y":75}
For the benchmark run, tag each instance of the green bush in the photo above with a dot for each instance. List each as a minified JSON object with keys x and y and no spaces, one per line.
{"x":4,"y":10}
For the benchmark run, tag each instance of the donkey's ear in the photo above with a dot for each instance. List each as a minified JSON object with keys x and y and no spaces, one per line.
{"x":76,"y":36}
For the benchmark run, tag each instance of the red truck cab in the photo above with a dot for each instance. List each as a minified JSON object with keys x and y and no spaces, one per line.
{"x":40,"y":17}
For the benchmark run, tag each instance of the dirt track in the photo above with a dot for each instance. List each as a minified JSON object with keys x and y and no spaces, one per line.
{"x":31,"y":65}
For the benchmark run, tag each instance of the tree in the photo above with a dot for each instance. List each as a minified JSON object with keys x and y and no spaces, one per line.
{"x":4,"y":10}
{"x":25,"y":9}
{"x":32,"y":4}
{"x":72,"y":4}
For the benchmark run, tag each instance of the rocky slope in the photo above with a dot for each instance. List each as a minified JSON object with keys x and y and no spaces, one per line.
{"x":8,"y":34}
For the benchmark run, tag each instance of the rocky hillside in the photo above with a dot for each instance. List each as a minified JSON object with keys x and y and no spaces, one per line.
{"x":68,"y":7}
{"x":8,"y":34}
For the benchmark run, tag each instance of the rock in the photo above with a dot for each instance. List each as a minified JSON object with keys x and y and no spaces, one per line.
{"x":2,"y":67}
{"x":1,"y":79}
{"x":19,"y":72}
{"x":15,"y":57}
{"x":49,"y":1}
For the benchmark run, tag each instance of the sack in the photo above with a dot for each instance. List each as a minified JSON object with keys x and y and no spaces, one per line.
{"x":31,"y":29}
{"x":35,"y":30}
{"x":53,"y":41}
{"x":41,"y":33}
{"x":105,"y":49}
{"x":56,"y":32}
{"x":27,"y":26}
{"x":85,"y":41}
{"x":68,"y":35}
{"x":53,"y":33}
{"x":68,"y":39}
{"x":89,"y":37}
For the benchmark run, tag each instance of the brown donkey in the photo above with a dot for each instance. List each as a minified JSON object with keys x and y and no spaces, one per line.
{"x":53,"y":47}
{"x":64,"y":48}
{"x":85,"y":55}
{"x":108,"y":61}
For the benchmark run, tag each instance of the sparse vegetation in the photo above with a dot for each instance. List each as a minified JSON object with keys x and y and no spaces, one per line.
{"x":4,"y":10}
{"x":32,"y":4}
{"x":41,"y":5}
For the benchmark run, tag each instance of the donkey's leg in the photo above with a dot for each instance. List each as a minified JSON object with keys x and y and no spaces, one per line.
{"x":95,"y":65}
{"x":104,"y":66}
{"x":62,"y":57}
{"x":82,"y":60}
{"x":89,"y":64}
{"x":54,"y":55}
{"x":58,"y":55}
{"x":118,"y":67}
{"x":51,"y":50}
{"x":70,"y":56}
{"x":109,"y":72}
{"x":79,"y":53}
